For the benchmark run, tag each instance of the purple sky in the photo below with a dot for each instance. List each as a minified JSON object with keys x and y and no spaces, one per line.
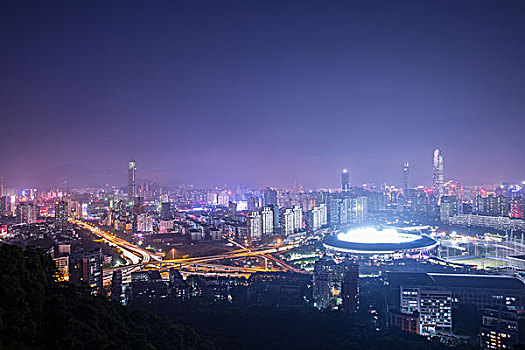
{"x":261,"y":92}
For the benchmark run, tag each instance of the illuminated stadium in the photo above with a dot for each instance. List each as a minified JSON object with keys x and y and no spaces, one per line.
{"x":371,"y":240}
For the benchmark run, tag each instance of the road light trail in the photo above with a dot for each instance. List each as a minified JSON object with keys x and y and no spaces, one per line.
{"x":143,"y":255}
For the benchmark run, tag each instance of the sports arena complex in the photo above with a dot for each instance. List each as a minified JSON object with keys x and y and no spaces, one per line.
{"x":372,"y":240}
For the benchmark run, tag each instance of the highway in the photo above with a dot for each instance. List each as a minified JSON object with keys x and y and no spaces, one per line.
{"x":128,"y":249}
{"x":139,"y":258}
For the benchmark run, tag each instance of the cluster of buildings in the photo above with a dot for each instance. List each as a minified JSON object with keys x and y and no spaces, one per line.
{"x":424,"y":303}
{"x":335,"y":285}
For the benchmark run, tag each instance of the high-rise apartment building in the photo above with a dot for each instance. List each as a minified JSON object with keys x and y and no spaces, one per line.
{"x":517,"y":206}
{"x":319,"y":216}
{"x":297,"y":218}
{"x":267,"y":221}
{"x":348,"y":210}
{"x":286,"y":221}
{"x":86,"y":269}
{"x":232,"y":211}
{"x":26,"y":213}
{"x":335,"y":285}
{"x":254,"y":226}
{"x":144,"y":223}
{"x":61,"y":212}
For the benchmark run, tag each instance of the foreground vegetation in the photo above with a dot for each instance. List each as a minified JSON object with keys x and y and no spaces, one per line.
{"x":236,"y":327}
{"x":36,"y":312}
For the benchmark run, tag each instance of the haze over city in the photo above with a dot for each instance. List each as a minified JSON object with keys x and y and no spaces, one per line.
{"x":262,"y":93}
{"x":259,"y":175}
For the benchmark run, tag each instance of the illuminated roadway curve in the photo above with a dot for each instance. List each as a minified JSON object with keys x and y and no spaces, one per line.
{"x":140,"y":257}
{"x":128,"y":249}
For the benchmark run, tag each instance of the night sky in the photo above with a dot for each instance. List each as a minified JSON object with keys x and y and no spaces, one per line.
{"x":261,"y":92}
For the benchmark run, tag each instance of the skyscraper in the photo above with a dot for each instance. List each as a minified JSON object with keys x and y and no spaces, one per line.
{"x":131,"y":182}
{"x":345,"y":181}
{"x":405,"y":178}
{"x":437,"y":178}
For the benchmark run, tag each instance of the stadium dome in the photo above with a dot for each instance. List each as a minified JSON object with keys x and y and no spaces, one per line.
{"x":370,"y":240}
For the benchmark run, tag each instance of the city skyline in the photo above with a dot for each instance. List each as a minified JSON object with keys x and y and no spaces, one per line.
{"x":115,"y":177}
{"x":338,"y":174}
{"x":263,"y":99}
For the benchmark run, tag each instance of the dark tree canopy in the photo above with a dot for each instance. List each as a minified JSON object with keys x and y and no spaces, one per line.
{"x":36,"y":312}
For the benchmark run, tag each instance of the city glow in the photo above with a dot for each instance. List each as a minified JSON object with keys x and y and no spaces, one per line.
{"x":372,"y":235}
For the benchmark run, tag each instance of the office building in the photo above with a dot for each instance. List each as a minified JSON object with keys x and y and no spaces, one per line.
{"x":165,"y":210}
{"x":148,"y":285}
{"x":484,"y":291}
{"x":448,"y":208}
{"x":345,"y":181}
{"x":437,"y":175}
{"x":406,"y":170}
{"x":270,"y":196}
{"x":432,"y":307}
{"x":499,"y":329}
{"x":131,"y":182}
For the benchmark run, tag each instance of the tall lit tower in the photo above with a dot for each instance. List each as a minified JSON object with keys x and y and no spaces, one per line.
{"x":131,"y":182}
{"x":437,"y":176}
{"x":345,"y":181}
{"x":405,"y":178}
